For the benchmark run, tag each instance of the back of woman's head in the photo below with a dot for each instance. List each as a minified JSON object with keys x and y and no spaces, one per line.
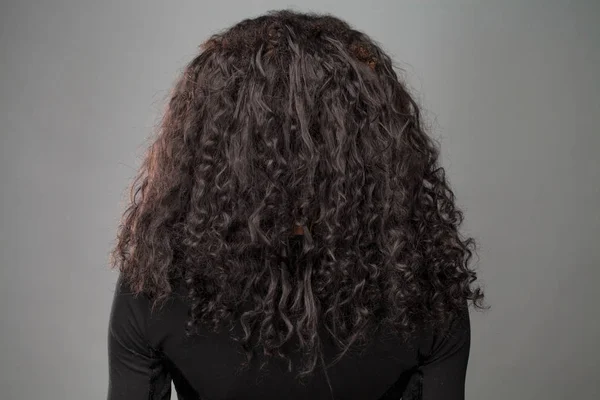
{"x":290,"y":120}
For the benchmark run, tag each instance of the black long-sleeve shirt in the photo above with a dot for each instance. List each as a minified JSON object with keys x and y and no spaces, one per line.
{"x":148,"y":349}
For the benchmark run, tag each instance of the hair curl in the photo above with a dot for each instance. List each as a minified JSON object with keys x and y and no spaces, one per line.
{"x":296,"y":119}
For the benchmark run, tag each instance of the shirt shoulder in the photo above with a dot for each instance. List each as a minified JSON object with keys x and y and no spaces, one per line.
{"x":129,"y":315}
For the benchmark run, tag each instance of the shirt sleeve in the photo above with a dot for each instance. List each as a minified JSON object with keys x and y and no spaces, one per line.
{"x":136,"y":371}
{"x":442,"y":371}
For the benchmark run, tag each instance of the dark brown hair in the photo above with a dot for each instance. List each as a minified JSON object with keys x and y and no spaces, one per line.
{"x":286,"y":119}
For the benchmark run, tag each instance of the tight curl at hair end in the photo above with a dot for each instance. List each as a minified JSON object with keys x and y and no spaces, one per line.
{"x":296,"y":120}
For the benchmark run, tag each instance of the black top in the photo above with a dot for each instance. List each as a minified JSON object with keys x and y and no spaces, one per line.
{"x":148,"y":349}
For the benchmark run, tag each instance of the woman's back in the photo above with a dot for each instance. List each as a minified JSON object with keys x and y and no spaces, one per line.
{"x":149,"y":349}
{"x":291,"y":123}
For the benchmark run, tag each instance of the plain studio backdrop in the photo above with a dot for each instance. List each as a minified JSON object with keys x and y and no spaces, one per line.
{"x":510,"y":88}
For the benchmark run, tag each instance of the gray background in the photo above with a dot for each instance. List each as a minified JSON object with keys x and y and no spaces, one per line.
{"x":511,"y":88}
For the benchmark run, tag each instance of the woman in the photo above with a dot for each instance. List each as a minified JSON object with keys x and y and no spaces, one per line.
{"x":290,"y":233}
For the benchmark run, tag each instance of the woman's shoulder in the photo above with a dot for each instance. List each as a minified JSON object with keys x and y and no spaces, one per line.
{"x":128,"y":319}
{"x":448,"y":337}
{"x":136,"y":314}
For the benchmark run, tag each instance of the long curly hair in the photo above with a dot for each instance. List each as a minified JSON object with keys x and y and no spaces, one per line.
{"x":286,"y":122}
